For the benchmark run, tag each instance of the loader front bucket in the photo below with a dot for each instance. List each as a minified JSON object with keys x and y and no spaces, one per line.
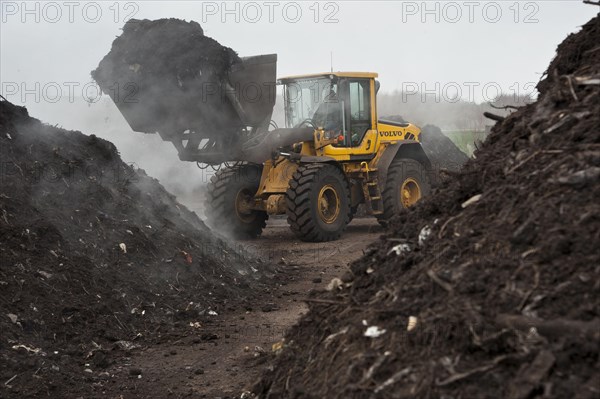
{"x":254,"y":84}
{"x":206,"y":116}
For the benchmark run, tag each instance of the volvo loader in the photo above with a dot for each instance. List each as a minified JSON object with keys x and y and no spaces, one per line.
{"x":333,"y":155}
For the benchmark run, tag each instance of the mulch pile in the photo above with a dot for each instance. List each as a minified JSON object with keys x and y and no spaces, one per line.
{"x":489,"y":288}
{"x":158,"y":66}
{"x":97,"y":258}
{"x":441,"y":151}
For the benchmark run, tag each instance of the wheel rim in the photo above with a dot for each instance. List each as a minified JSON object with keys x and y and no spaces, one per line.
{"x":410,"y":192}
{"x":243,"y":202}
{"x":328,"y":204}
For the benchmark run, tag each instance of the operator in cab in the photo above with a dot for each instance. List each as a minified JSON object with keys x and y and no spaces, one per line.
{"x":329,"y":115}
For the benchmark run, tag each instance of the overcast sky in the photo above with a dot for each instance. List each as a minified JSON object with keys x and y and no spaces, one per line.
{"x":461,"y":44}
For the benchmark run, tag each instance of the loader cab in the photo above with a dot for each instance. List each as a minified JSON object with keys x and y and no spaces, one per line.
{"x":342,"y":104}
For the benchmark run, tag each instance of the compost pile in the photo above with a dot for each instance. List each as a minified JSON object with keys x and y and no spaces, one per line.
{"x":97,"y":259}
{"x":156,"y":67}
{"x":441,"y":151}
{"x":489,"y":288}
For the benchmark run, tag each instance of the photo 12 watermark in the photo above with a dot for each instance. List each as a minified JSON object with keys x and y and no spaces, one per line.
{"x":452,"y":92}
{"x":130,"y":92}
{"x":452,"y":12}
{"x":55,"y":12}
{"x":54,"y":92}
{"x":270,"y":11}
{"x":64,"y":173}
{"x":270,"y":254}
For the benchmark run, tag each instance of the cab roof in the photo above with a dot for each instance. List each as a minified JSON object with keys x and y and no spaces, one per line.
{"x":328,"y":74}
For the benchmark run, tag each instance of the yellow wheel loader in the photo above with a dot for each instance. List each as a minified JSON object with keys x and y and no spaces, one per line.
{"x":333,"y":155}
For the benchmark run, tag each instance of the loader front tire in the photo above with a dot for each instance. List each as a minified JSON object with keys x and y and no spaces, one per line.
{"x":406,"y":184}
{"x":318,"y":202}
{"x":229,"y":196}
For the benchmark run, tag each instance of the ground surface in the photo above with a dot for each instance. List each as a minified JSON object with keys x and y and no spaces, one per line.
{"x":224,"y":358}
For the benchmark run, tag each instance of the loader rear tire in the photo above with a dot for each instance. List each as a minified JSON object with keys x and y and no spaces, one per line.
{"x":406,"y":184}
{"x":229,"y":193}
{"x":318,"y":202}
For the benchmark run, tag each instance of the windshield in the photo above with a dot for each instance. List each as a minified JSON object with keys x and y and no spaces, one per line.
{"x":312,"y":103}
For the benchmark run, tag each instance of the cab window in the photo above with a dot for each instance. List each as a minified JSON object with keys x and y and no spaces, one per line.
{"x":359,"y":110}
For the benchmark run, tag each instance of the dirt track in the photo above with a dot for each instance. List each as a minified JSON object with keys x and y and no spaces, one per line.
{"x":224,"y":358}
